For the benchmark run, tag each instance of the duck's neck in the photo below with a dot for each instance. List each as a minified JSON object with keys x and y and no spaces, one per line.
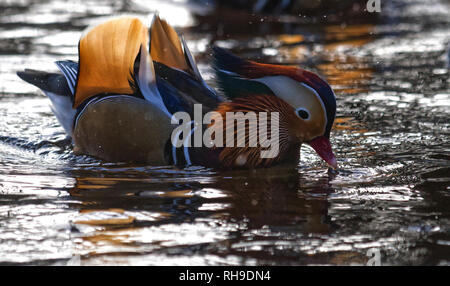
{"x":274,"y":144}
{"x":243,"y":144}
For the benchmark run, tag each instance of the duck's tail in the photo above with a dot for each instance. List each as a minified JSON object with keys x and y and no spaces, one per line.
{"x":56,"y":87}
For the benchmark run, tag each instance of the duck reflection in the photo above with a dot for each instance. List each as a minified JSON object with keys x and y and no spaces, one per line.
{"x":278,"y":197}
{"x":275,"y":197}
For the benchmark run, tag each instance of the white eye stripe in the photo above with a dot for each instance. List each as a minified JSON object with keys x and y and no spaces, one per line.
{"x":319,"y":98}
{"x":288,"y":89}
{"x":298,"y":94}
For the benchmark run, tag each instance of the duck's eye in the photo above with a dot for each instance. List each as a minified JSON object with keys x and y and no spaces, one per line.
{"x":302,"y":113}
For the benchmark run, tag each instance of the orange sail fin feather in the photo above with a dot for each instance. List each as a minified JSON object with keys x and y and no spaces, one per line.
{"x":107,"y":55}
{"x":166,"y":47}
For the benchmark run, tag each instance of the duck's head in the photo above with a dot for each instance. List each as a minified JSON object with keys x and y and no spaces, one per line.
{"x":311,"y":103}
{"x":313,"y":106}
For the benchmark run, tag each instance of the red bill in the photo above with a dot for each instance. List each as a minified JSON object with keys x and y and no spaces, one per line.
{"x":322,"y":146}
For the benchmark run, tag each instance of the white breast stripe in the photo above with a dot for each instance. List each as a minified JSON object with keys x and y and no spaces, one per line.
{"x":174,"y":148}
{"x":185,"y":148}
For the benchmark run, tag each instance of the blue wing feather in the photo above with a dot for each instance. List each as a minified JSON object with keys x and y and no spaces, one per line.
{"x":70,"y":71}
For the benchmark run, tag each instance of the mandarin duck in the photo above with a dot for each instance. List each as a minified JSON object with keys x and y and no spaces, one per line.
{"x":119,"y":101}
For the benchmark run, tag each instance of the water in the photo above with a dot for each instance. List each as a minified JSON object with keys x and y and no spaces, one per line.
{"x":390,"y":196}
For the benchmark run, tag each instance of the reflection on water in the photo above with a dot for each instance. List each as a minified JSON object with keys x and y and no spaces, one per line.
{"x":391,"y":136}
